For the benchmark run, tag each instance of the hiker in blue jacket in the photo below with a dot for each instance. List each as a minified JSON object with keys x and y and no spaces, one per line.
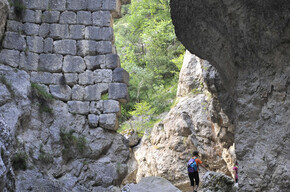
{"x":192,"y":167}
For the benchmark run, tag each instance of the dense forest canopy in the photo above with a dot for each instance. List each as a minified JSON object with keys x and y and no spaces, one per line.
{"x":151,"y":53}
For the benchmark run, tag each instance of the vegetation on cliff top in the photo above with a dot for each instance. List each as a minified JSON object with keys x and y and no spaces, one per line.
{"x":151,"y":53}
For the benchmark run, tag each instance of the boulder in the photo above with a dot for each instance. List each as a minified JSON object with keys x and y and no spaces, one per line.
{"x":217,"y":182}
{"x":150,"y":184}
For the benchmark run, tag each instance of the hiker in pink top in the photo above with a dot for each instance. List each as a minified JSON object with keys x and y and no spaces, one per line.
{"x":236,"y":171}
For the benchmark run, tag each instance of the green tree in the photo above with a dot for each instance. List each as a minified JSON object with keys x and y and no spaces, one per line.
{"x":150,"y":52}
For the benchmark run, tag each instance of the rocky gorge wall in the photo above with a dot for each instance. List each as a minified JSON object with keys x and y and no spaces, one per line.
{"x":248,"y":43}
{"x":196,"y":122}
{"x":61,"y":87}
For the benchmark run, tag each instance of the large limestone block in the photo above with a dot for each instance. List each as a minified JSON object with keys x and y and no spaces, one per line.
{"x":120,"y":75}
{"x":79,"y":107}
{"x":10,"y":57}
{"x":62,"y":92}
{"x":73,"y":64}
{"x":14,"y":40}
{"x":102,"y":18}
{"x":112,"y":106}
{"x":108,"y":121}
{"x":3,"y":16}
{"x":118,"y":91}
{"x":45,"y":77}
{"x":50,"y":62}
{"x":149,"y":184}
{"x":93,"y":120}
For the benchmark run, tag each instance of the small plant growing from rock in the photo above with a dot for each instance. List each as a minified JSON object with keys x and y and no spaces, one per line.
{"x":18,"y":7}
{"x":19,"y":161}
{"x":73,"y":145}
{"x":43,"y":97}
{"x":44,"y":157}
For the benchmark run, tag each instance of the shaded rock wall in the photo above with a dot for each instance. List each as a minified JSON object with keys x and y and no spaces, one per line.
{"x":248,"y":43}
{"x":60,"y":91}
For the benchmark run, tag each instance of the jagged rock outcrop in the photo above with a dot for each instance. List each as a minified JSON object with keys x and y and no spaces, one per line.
{"x":60,"y":91}
{"x":218,"y":182}
{"x":197,"y":122}
{"x":248,"y":43}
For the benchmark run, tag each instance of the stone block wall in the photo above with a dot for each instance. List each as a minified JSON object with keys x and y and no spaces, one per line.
{"x":68,"y":47}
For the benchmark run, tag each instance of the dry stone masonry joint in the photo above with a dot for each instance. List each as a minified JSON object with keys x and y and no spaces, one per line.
{"x":68,"y":47}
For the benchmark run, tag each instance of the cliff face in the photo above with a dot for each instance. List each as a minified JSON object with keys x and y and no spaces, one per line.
{"x":197,"y":122}
{"x":248,"y":43}
{"x":60,"y":91}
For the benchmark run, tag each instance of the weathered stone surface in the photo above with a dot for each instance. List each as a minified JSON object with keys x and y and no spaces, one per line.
{"x":246,"y":55}
{"x":93,"y":120}
{"x":108,"y":121}
{"x":112,"y":61}
{"x":77,"y":31}
{"x":48,"y":45}
{"x":45,"y":77}
{"x":50,"y":16}
{"x":3,"y":15}
{"x":94,"y":92}
{"x":36,"y":4}
{"x":79,"y":107}
{"x":14,"y":40}
{"x":29,"y":61}
{"x":94,"y":5}
{"x":30,"y":28}
{"x":84,"y":18}
{"x":77,"y":92}
{"x":120,"y":76}
{"x":73,"y":64}
{"x":113,"y":5}
{"x":77,"y":4}
{"x":58,"y":5}
{"x":5,"y":95}
{"x":118,"y":91}
{"x":104,"y":47}
{"x":94,"y":62}
{"x":99,"y":33}
{"x":62,"y":92}
{"x":14,"y":26}
{"x":29,"y":16}
{"x":66,"y":47}
{"x":44,"y":29}
{"x":10,"y":57}
{"x":34,"y":44}
{"x":151,"y":184}
{"x":103,"y":75}
{"x":102,"y":18}
{"x":50,"y":62}
{"x":68,"y":17}
{"x":87,"y":78}
{"x":112,"y":106}
{"x":213,"y":181}
{"x":97,"y":107}
{"x":71,"y":78}
{"x":86,"y":47}
{"x":58,"y":31}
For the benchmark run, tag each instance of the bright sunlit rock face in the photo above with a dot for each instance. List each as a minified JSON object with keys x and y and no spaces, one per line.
{"x":248,"y":43}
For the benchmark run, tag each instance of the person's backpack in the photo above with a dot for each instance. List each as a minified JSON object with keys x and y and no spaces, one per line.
{"x":191,"y":166}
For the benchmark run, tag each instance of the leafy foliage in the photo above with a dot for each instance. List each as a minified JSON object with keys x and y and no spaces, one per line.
{"x":151,"y":53}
